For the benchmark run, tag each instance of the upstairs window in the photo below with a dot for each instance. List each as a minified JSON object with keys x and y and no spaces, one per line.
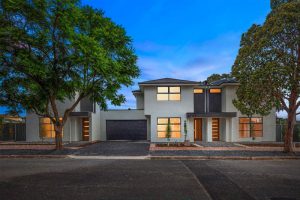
{"x":215,"y":91}
{"x":198,"y":91}
{"x":168,"y":94}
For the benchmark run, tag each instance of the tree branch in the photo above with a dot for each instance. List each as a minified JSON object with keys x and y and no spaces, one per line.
{"x":54,"y":109}
{"x":279,"y":96}
{"x":67,"y":111}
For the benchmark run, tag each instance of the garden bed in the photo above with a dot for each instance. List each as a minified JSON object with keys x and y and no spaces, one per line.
{"x":174,"y":145}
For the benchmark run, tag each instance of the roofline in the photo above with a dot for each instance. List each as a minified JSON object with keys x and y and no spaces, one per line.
{"x":227,"y":84}
{"x":167,"y":84}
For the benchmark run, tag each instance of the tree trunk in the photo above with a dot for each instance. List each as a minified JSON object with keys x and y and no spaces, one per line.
{"x":288,"y":137}
{"x":58,"y":137}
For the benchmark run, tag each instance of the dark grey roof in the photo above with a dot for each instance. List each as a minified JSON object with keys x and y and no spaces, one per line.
{"x":168,"y":81}
{"x":223,"y":81}
{"x":136,"y":91}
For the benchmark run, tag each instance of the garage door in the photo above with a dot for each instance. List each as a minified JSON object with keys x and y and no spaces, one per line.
{"x":126,"y":129}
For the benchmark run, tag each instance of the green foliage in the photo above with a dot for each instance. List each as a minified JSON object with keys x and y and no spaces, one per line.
{"x":52,"y":50}
{"x":246,"y":69}
{"x":58,"y":50}
{"x":168,"y":131}
{"x":276,"y":3}
{"x":216,"y":77}
{"x":185,"y":130}
{"x":268,"y":66}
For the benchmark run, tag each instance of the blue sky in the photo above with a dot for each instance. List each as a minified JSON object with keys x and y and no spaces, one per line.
{"x":188,"y":39}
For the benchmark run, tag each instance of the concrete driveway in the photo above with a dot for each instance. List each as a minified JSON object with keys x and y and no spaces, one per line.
{"x":115,"y":148}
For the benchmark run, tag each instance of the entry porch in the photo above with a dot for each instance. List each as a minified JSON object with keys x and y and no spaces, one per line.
{"x":213,"y":127}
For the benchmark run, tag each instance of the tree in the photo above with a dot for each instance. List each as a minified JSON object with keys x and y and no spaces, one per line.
{"x":53,"y":50}
{"x":216,"y":77}
{"x":268,"y":66}
{"x":250,"y":100}
{"x":168,"y":132}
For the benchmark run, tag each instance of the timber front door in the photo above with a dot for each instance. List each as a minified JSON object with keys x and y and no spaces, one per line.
{"x":216,"y":129}
{"x":198,"y":129}
{"x":85,"y":129}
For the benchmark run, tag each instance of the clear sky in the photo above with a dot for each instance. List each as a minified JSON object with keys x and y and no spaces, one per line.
{"x":184,"y":39}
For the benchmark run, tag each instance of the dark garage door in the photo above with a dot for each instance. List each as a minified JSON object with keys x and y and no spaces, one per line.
{"x":126,"y":129}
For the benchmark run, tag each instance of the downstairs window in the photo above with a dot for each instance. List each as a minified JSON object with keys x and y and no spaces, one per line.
{"x":47,"y":128}
{"x":244,"y":127}
{"x":175,"y":123}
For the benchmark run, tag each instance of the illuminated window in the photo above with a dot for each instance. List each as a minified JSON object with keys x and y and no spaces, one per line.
{"x":215,"y":91}
{"x":244,"y":127}
{"x":168,"y":94}
{"x":175,"y":123}
{"x":47,"y":128}
{"x":198,"y":91}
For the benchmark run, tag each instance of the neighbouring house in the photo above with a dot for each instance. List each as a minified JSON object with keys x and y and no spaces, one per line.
{"x":12,"y":128}
{"x":206,"y":108}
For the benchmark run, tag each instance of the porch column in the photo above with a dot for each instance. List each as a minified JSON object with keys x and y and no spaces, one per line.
{"x":228,"y":130}
{"x":209,"y":129}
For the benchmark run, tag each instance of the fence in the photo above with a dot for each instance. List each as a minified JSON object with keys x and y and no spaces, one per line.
{"x":280,"y":131}
{"x":13,"y":131}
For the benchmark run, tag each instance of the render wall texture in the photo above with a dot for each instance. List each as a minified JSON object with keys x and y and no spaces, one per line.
{"x":120,"y":115}
{"x":156,"y":109}
{"x":139,"y":101}
{"x":269,"y":121}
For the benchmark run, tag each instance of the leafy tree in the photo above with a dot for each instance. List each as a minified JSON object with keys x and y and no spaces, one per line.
{"x":268,"y":66}
{"x":250,"y":100}
{"x":216,"y":77}
{"x":276,"y":3}
{"x":168,"y":132}
{"x":53,"y":50}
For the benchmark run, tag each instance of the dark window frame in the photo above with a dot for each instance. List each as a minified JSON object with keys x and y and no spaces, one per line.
{"x":168,"y":93}
{"x":167,"y":124}
{"x":248,"y":130}
{"x":209,"y":90}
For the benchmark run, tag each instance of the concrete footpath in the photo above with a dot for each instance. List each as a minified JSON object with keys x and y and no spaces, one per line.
{"x":143,"y":150}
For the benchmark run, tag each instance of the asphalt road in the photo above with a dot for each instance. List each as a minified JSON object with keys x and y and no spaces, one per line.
{"x":148,"y":179}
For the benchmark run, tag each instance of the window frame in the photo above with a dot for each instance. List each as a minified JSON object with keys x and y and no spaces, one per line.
{"x":169,"y":120}
{"x":215,"y":91}
{"x":198,"y":90}
{"x":168,"y":93}
{"x":247,"y":130}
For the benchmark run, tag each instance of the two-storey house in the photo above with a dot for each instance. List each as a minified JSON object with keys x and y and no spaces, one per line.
{"x":206,"y":109}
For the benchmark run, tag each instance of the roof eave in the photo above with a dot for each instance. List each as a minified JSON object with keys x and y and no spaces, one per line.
{"x":167,"y":84}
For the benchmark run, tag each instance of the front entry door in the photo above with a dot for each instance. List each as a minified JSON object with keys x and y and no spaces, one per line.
{"x":215,"y":129}
{"x":198,"y":129}
{"x":85,"y":129}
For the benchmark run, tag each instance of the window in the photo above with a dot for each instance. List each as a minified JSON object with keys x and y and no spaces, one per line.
{"x":198,"y":91}
{"x":215,"y":91}
{"x":47,"y":128}
{"x":257,"y":127}
{"x":168,"y":93}
{"x":162,"y":124}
